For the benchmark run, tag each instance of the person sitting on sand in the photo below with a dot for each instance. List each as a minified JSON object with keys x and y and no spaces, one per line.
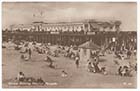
{"x":26,"y":58}
{"x":48,"y":59}
{"x":103,"y":71}
{"x":40,"y":81}
{"x":64,"y":74}
{"x":91,"y":67}
{"x":20,"y":76}
{"x":125,"y":71}
{"x":95,"y":63}
{"x":51,"y":65}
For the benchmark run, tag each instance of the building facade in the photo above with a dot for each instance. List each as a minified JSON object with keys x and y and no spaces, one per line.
{"x":64,"y":33}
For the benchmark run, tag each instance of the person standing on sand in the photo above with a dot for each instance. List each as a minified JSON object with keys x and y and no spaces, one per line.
{"x":77,"y":61}
{"x":30,"y":52}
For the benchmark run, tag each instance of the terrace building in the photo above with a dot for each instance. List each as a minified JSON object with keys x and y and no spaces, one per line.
{"x":65,"y":33}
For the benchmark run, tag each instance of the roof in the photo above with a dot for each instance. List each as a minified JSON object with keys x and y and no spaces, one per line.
{"x":90,"y":45}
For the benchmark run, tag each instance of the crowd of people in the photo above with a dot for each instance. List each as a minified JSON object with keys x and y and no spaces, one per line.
{"x":21,"y":77}
{"x":27,"y":48}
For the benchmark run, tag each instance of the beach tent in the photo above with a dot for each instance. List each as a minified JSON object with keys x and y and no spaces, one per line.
{"x":90,"y":45}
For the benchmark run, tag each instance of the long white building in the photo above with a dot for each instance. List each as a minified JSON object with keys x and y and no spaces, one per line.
{"x":86,"y":26}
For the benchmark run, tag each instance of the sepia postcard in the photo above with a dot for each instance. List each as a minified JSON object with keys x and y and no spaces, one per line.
{"x":69,"y":44}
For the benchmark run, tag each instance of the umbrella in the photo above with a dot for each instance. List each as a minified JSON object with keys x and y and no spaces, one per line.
{"x":89,"y":45}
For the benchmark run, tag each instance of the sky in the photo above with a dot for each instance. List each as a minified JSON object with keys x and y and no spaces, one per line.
{"x":28,"y":12}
